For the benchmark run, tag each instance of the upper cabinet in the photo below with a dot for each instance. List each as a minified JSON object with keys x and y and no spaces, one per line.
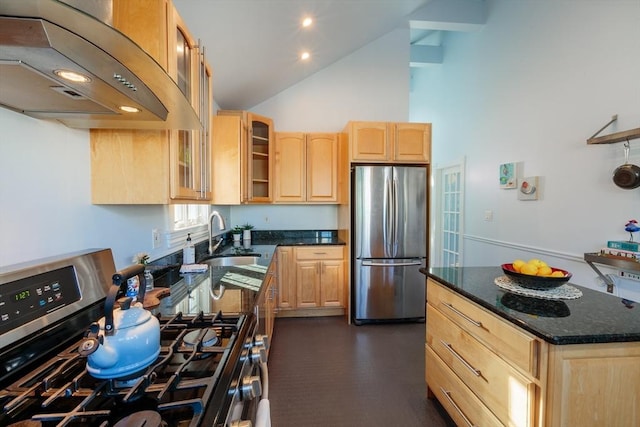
{"x":243,"y":160}
{"x":306,"y":167}
{"x":158,"y":166}
{"x":389,"y":142}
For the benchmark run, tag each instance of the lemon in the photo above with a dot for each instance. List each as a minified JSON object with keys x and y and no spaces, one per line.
{"x":538,"y":263}
{"x":517,"y":264}
{"x":557,"y":273}
{"x":529,"y":269}
{"x":544,"y":270}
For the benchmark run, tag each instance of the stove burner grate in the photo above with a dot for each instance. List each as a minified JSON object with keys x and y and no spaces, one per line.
{"x":178,"y":387}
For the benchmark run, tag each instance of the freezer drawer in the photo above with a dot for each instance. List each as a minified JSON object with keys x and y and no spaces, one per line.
{"x":387,"y":289}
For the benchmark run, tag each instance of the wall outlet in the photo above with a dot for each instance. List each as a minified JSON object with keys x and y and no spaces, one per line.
{"x":155,"y":238}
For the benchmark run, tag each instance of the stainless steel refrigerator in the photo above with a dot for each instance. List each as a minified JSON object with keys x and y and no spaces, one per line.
{"x":389,"y":243}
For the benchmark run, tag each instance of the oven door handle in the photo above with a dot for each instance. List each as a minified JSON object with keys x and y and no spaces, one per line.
{"x":214,"y":295}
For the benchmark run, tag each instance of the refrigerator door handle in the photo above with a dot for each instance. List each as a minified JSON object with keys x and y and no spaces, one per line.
{"x":388,"y":220}
{"x":395,"y":264}
{"x":395,"y":214}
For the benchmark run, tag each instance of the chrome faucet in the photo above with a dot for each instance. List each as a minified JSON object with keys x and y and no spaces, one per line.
{"x":221,"y":226}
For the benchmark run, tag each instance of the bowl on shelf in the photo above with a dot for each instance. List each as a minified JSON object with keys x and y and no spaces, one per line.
{"x":536,"y":282}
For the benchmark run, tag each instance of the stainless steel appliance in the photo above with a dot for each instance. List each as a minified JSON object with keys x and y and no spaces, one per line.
{"x":41,"y":39}
{"x":389,"y":236}
{"x":206,"y":374}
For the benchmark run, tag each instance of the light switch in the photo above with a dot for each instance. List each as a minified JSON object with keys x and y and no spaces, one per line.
{"x":488,"y":215}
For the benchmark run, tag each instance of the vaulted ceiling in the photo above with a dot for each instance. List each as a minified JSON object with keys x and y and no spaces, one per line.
{"x":254,"y":45}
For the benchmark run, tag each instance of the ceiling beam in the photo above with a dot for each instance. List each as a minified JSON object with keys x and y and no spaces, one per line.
{"x":450,"y":15}
{"x":423,"y":55}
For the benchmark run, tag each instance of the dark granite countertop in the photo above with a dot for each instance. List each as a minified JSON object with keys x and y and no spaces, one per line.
{"x":241,"y":284}
{"x":595,"y":317}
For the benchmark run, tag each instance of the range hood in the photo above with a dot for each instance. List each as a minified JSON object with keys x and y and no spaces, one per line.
{"x":39,"y":39}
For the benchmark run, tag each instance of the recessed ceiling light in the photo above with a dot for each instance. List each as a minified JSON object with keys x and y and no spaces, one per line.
{"x":129,"y":109}
{"x":72,"y":76}
{"x":306,"y":22}
{"x":305,"y":55}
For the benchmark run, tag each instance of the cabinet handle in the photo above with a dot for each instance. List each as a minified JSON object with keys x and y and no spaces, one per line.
{"x":461,"y":314}
{"x":448,"y":346}
{"x":447,"y":394}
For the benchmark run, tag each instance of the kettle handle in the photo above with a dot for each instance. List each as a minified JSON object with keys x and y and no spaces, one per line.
{"x":120,"y":278}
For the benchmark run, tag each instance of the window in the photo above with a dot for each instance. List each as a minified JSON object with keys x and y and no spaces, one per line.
{"x":449,"y":196}
{"x":185,"y":216}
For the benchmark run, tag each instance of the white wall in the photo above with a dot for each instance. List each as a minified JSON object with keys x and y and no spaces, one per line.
{"x":531,"y":87}
{"x":45,"y":197}
{"x":370,"y":84}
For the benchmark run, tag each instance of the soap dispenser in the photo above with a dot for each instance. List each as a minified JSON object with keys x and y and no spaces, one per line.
{"x":189,"y":252}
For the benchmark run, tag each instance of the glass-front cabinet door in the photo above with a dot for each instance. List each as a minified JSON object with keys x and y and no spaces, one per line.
{"x":190,"y":149}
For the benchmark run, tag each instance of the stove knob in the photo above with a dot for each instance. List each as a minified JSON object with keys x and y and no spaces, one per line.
{"x":241,"y":423}
{"x":258,"y":354}
{"x":251,"y":387}
{"x":261,"y":340}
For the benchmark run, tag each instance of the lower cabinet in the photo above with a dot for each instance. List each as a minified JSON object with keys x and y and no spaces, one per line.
{"x":267,"y":305}
{"x":486,"y":371}
{"x":311,"y":281}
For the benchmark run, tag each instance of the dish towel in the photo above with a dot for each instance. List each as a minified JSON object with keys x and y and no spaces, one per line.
{"x":263,"y":418}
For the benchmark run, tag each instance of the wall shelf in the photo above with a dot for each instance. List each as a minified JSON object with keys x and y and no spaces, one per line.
{"x":614,"y":137}
{"x":611,"y":261}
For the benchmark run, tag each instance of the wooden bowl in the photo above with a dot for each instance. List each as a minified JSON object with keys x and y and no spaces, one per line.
{"x":536,"y":282}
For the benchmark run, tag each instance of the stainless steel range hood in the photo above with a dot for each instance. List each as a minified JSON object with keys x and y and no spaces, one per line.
{"x":39,"y":38}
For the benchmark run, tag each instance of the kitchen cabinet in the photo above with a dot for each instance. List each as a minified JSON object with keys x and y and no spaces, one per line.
{"x":269,"y":301}
{"x":489,"y":367}
{"x":131,"y":166}
{"x":389,"y":142}
{"x":249,"y":140}
{"x":306,"y":167}
{"x":485,"y":370}
{"x":286,"y":279}
{"x":313,"y":283}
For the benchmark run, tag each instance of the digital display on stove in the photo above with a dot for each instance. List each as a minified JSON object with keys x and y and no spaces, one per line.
{"x":25,"y":300}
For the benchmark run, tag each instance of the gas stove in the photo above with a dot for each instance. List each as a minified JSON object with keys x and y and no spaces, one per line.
{"x":206,"y":374}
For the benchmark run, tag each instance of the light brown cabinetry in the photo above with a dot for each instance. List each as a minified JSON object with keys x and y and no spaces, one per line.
{"x":306,"y":167}
{"x":247,"y":175}
{"x":389,"y":142}
{"x":270,"y":300}
{"x":486,"y":366}
{"x":157,"y":166}
{"x":487,"y":371}
{"x":313,"y":283}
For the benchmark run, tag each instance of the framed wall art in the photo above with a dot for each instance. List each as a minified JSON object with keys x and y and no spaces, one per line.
{"x":508,"y":175}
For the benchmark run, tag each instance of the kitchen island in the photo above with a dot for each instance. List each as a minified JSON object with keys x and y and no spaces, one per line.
{"x":494,"y":357}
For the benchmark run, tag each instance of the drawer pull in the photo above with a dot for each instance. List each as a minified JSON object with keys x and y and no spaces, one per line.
{"x":448,"y":346}
{"x":461,"y":314}
{"x":450,"y":399}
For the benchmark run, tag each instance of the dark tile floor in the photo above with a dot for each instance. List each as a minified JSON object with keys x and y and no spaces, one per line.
{"x":326,"y":373}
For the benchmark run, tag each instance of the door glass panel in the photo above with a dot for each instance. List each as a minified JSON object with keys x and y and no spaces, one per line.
{"x":184,"y":64}
{"x":450,"y":219}
{"x":185,"y":159}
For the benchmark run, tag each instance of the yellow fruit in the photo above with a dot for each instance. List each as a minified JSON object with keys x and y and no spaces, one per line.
{"x":544,"y":271}
{"x":536,"y":262}
{"x":517,"y":264}
{"x":530,"y":269}
{"x":557,"y":274}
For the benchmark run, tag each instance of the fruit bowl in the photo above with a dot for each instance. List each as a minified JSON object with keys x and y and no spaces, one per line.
{"x":536,"y":282}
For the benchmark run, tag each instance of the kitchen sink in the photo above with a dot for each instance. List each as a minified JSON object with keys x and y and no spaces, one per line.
{"x":227,"y":261}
